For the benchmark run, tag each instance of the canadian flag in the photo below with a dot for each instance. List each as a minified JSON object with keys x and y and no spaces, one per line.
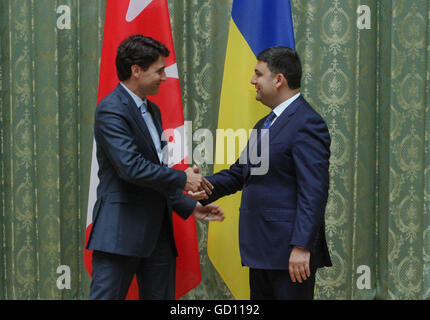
{"x":150,"y":18}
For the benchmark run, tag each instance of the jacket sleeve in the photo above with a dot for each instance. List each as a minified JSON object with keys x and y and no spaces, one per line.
{"x":231,"y":180}
{"x":226,"y":182}
{"x":311,"y":153}
{"x":113,"y":134}
{"x":181,"y":204}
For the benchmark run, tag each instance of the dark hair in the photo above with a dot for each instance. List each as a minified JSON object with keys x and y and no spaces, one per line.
{"x":140,"y":50}
{"x":283,"y":60}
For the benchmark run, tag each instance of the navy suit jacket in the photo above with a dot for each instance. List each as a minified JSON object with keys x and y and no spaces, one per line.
{"x":136,"y":192}
{"x":285,"y":206}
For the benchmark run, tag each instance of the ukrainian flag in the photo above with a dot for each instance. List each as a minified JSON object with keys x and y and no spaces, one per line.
{"x":255,"y":25}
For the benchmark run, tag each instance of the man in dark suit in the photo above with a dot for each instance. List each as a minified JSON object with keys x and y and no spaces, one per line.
{"x":281,"y":225}
{"x":132,"y":229}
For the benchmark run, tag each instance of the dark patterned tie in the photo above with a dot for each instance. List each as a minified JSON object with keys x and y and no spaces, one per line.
{"x":268,"y":122}
{"x":266,"y":125}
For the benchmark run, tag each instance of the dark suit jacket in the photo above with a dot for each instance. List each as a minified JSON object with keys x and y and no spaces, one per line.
{"x":284,"y":207}
{"x":135,"y":192}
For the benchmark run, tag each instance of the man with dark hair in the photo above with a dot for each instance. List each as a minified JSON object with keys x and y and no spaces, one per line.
{"x":139,"y":50}
{"x":283,"y":60}
{"x":281,"y":225}
{"x":132,"y":231}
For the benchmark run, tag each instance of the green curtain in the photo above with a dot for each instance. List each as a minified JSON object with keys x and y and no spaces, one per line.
{"x":403,"y":158}
{"x":48,"y":94}
{"x":370,"y":85}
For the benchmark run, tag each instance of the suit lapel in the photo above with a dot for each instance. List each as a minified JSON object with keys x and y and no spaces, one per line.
{"x":157,"y":123}
{"x":285,"y":116}
{"x":137,"y":118}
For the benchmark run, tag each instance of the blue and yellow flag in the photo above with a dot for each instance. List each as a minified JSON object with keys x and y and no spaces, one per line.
{"x":255,"y":25}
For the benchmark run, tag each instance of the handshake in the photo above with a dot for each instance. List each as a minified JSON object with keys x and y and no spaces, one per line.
{"x":198,"y":187}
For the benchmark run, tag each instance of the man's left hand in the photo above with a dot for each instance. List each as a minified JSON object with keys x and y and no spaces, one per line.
{"x":210,"y":212}
{"x":299,"y":264}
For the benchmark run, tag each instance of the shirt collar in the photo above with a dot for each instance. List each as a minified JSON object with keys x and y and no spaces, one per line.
{"x":279,"y":109}
{"x":136,"y":98}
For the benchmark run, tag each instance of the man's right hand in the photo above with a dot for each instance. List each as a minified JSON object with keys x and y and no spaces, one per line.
{"x":210,"y":212}
{"x":196,"y":182}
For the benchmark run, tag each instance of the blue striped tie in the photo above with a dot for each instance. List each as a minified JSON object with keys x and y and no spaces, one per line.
{"x":152,"y":129}
{"x":268,"y":122}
